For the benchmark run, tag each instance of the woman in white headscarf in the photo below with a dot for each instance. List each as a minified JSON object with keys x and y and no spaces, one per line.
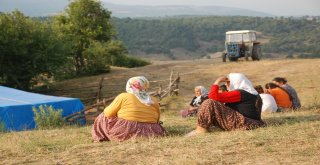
{"x":130,"y":115}
{"x":200,"y":94}
{"x":239,"y":108}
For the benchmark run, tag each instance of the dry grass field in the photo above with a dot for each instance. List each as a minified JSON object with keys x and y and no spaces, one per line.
{"x":289,"y":138}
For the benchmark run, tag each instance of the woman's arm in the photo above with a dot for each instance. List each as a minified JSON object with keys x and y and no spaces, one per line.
{"x":114,"y":107}
{"x":224,"y":97}
{"x":156,"y":105}
{"x":191,"y":103}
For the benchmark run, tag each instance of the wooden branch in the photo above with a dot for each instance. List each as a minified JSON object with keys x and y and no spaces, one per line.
{"x":99,"y":89}
{"x":103,"y":102}
{"x":77,"y":117}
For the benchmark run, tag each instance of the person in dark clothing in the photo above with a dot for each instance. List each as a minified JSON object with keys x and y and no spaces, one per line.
{"x":239,"y":108}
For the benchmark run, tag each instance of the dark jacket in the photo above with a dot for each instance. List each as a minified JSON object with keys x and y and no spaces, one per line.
{"x":199,"y":103}
{"x":249,"y":106}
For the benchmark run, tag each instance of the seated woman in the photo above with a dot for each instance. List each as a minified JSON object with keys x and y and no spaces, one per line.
{"x":242,"y":108}
{"x":130,"y":115}
{"x":282,"y":82}
{"x":201,"y":94}
{"x":269,"y":105}
{"x":281,"y":96}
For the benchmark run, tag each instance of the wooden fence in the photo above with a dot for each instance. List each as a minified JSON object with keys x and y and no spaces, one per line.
{"x":94,"y":109}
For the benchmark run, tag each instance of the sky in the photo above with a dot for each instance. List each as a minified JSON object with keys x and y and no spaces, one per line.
{"x":274,"y":7}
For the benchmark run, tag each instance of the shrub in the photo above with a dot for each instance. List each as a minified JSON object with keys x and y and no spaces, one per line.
{"x":46,"y":117}
{"x":129,"y":61}
{"x":2,"y":126}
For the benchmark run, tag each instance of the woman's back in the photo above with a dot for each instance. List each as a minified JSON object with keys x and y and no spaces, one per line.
{"x":268,"y":103}
{"x":295,"y":99}
{"x":127,"y":106}
{"x":282,"y":98}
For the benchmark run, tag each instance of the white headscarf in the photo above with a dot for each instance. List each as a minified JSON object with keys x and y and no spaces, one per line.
{"x":240,"y":81}
{"x":138,"y":86}
{"x":204,"y":93}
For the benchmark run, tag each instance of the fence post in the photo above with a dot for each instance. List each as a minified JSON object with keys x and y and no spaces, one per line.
{"x":170,"y":81}
{"x":159,"y":92}
{"x":176,"y":85}
{"x":99,"y":92}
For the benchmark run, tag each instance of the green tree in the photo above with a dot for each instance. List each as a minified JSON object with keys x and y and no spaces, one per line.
{"x":84,"y":22}
{"x":27,"y":49}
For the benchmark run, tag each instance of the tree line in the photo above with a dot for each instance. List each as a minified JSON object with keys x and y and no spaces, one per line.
{"x":80,"y":41}
{"x":162,"y":35}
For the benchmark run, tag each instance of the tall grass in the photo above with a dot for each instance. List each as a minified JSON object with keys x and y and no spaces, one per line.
{"x":47,"y":117}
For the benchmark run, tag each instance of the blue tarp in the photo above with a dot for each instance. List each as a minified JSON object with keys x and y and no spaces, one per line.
{"x":16,"y":107}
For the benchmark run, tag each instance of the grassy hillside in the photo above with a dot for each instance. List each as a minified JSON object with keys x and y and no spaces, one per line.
{"x":189,"y":37}
{"x":290,"y":138}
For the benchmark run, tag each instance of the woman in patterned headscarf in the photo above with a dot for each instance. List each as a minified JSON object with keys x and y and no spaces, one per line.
{"x":239,"y":108}
{"x":130,"y":115}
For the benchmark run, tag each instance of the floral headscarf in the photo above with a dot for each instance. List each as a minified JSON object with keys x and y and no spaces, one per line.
{"x":138,"y":86}
{"x":240,"y":81}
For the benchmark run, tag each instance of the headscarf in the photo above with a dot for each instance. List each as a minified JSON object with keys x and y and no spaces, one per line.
{"x":204,"y":93}
{"x":240,"y":81}
{"x":203,"y":90}
{"x":138,"y":86}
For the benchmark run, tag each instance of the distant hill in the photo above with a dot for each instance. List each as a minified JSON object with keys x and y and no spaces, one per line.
{"x":160,"y":11}
{"x":36,"y":8}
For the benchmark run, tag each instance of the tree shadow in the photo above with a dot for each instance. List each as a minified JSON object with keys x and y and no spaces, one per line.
{"x":178,"y":130}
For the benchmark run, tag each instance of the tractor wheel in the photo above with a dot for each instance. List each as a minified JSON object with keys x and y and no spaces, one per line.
{"x":256,"y":53}
{"x":233,"y":59}
{"x":246,"y":56}
{"x":224,"y":57}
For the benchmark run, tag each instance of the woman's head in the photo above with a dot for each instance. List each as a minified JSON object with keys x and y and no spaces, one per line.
{"x":138,"y":86}
{"x":223,"y":88}
{"x":271,"y":85}
{"x":279,"y":80}
{"x":200,"y":91}
{"x":138,"y":83}
{"x":259,"y":89}
{"x":240,"y":81}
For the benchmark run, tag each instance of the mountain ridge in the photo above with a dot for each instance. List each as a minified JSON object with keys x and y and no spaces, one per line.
{"x":35,"y":8}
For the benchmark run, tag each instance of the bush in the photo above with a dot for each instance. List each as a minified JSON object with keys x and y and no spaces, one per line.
{"x":129,"y":61}
{"x":46,"y":117}
{"x":2,"y":126}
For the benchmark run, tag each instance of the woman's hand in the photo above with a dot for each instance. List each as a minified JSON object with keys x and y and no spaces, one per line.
{"x":221,"y":79}
{"x":191,"y":108}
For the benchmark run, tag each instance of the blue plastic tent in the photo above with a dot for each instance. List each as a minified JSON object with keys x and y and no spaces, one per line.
{"x":16,"y":107}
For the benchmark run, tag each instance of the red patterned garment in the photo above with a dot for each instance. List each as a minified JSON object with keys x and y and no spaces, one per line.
{"x":214,"y":113}
{"x":106,"y":129}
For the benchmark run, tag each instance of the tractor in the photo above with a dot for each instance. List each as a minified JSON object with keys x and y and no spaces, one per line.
{"x":242,"y":43}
